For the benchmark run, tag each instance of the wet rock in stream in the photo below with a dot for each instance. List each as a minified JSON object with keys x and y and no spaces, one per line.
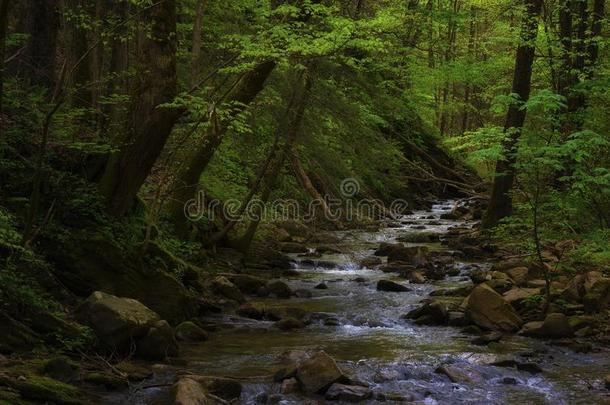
{"x":391,"y":286}
{"x":459,"y":375}
{"x":432,"y":313}
{"x":280,"y":289}
{"x":487,"y":309}
{"x":315,"y":372}
{"x":348,"y":393}
{"x":385,"y":248}
{"x":370,"y":262}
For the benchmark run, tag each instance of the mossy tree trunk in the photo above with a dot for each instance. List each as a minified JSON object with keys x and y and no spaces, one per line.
{"x":152,"y":123}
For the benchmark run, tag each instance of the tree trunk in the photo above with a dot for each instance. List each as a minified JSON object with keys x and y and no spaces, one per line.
{"x":500,"y":203}
{"x":218,"y":236}
{"x":306,"y":183}
{"x":196,"y":47}
{"x":43,"y":21}
{"x":3,"y":26}
{"x":467,"y":88}
{"x":187,"y":180}
{"x":126,"y":172}
{"x":596,"y":30}
{"x":114,"y":118}
{"x":290,"y":127}
{"x":76,"y":46}
{"x":97,"y":61}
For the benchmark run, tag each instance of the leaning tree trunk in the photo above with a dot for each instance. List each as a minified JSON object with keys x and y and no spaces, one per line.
{"x":500,"y":203}
{"x":306,"y":183}
{"x":221,"y":234}
{"x":290,"y":127}
{"x":187,"y":180}
{"x":152,"y":124}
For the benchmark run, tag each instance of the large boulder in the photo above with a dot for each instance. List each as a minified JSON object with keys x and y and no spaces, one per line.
{"x":158,"y":343}
{"x":279,"y":289}
{"x":318,"y":372}
{"x":580,"y":285}
{"x":479,"y":276}
{"x":87,"y":262}
{"x":414,"y":276}
{"x":554,"y":326}
{"x":415,"y":255}
{"x":222,"y":286}
{"x":190,"y":332}
{"x":487,"y":309}
{"x":247,"y":283}
{"x":203,"y":390}
{"x":598,"y":296}
{"x":116,"y":322}
{"x":252,"y":310}
{"x":432,"y":313}
{"x":517,"y":296}
{"x":120,"y":322}
{"x":519,"y":275}
{"x":187,"y":391}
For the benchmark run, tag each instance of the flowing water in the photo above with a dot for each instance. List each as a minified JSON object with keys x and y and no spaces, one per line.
{"x":373,"y":344}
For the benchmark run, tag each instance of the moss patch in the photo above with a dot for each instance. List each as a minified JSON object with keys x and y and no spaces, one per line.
{"x":32,"y":386}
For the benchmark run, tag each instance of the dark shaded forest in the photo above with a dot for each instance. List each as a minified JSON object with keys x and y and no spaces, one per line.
{"x":208,"y":202}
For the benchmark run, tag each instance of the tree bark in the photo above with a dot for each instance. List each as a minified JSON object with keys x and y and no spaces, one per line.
{"x":114,"y":114}
{"x":152,"y":124}
{"x":306,"y":183}
{"x":500,"y":203}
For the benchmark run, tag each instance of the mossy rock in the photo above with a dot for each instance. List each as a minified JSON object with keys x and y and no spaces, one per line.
{"x":35,"y":387}
{"x":190,"y":332}
{"x":88,"y":262}
{"x":106,"y":380}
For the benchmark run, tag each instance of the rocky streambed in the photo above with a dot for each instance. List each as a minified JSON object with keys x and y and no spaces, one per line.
{"x":346,"y":325}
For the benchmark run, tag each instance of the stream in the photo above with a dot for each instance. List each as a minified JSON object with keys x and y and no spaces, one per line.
{"x":372,"y":344}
